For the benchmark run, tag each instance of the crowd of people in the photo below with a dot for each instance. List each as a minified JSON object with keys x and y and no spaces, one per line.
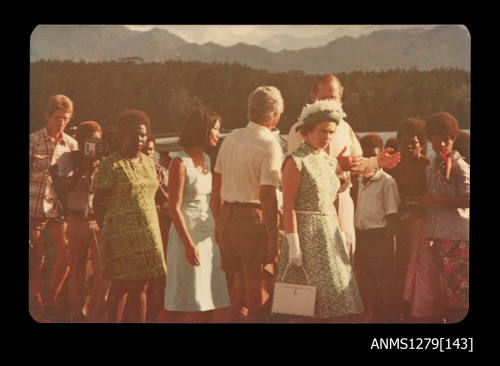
{"x":382,"y":233}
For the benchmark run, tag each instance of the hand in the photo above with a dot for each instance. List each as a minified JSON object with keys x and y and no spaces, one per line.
{"x":192,"y":255}
{"x":294,"y":251}
{"x":386,"y":160}
{"x":349,"y":162}
{"x":272,"y":254}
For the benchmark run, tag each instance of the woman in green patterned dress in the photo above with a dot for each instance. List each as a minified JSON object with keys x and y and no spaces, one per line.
{"x":131,"y":248}
{"x":310,"y":221}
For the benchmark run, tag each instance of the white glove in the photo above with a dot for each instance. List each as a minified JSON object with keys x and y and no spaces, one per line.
{"x":294,"y":252}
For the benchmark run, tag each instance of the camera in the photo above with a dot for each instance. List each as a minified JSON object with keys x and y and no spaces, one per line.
{"x":94,"y":148}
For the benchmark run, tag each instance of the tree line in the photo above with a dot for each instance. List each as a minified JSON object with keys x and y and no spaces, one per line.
{"x":167,"y":91}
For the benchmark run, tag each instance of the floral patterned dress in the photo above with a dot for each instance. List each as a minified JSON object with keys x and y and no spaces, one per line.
{"x":323,"y":253}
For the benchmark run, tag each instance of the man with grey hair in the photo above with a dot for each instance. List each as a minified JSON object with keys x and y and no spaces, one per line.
{"x":244,"y":203}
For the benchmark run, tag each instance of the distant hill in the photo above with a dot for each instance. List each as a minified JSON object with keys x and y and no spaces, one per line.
{"x":439,"y":47}
{"x":287,"y":42}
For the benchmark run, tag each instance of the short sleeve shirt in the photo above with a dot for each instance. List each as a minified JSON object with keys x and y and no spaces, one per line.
{"x":44,"y":153}
{"x":442,"y":221}
{"x":377,"y":198}
{"x":248,"y":158}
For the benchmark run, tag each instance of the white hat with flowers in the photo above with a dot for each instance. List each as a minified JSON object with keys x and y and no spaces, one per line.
{"x":322,"y":110}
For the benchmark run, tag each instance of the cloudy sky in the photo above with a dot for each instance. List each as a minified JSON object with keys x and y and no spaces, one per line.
{"x":227,"y":35}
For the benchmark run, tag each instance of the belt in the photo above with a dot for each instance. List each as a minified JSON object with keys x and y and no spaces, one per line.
{"x":322,"y":213}
{"x":243,"y":204}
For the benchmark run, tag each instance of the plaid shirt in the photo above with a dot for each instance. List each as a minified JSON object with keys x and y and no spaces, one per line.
{"x":44,"y":153}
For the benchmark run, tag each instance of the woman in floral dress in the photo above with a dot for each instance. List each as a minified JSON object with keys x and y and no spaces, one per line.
{"x":313,"y":240}
{"x":447,"y":214}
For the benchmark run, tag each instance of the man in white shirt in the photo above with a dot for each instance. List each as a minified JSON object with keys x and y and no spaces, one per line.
{"x":244,"y":202}
{"x":346,"y":148}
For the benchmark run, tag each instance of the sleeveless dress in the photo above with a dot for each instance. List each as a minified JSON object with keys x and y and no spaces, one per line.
{"x":191,"y":288}
{"x":324,"y":256}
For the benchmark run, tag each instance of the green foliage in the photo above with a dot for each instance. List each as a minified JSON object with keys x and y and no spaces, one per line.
{"x":373,"y":101}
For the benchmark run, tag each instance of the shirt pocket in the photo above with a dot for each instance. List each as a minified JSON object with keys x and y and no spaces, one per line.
{"x":41,"y":161}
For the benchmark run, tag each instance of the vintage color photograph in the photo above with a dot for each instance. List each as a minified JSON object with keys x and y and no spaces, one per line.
{"x":269,"y":174}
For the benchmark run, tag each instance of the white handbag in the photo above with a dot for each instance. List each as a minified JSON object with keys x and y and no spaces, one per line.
{"x":294,"y":299}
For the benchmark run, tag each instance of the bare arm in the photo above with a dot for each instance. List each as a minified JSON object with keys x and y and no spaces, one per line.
{"x":269,"y":203}
{"x":177,"y":178}
{"x":216,"y":199}
{"x":290,"y":185}
{"x":359,"y":164}
{"x":216,"y":203}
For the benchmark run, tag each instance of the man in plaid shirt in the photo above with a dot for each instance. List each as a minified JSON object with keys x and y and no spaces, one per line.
{"x":45,"y":209}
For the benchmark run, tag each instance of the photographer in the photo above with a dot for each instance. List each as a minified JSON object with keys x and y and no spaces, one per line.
{"x":74,"y":174}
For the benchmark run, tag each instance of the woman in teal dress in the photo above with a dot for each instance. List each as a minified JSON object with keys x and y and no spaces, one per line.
{"x":313,"y":238}
{"x":196,"y":289}
{"x":131,"y":249}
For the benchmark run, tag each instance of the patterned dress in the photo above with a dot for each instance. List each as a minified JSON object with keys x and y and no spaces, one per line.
{"x":323,"y":253}
{"x":204,"y":287}
{"x":448,"y":228}
{"x":131,"y":245}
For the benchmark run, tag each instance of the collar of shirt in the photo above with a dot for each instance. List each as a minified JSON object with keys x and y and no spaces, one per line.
{"x":375,"y":177}
{"x":62,"y":140}
{"x":257,"y":127}
{"x":454,"y":155}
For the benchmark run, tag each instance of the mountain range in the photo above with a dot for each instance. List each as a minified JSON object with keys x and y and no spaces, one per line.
{"x":447,"y":46}
{"x":288,"y":42}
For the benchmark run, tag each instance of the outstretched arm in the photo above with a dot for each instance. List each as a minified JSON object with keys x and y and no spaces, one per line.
{"x":359,"y":164}
{"x":290,"y":186}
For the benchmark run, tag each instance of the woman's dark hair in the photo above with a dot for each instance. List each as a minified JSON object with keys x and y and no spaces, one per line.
{"x":392,"y":142}
{"x":131,"y":119}
{"x":369,"y":142}
{"x":197,"y":127}
{"x":86,"y":129}
{"x":442,"y":124}
{"x":412,"y":127}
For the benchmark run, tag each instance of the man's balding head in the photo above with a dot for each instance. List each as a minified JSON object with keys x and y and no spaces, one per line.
{"x":327,"y":86}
